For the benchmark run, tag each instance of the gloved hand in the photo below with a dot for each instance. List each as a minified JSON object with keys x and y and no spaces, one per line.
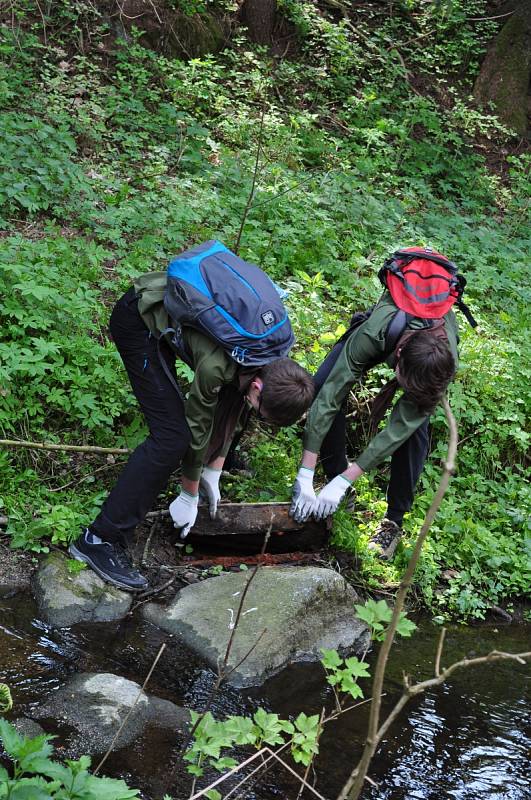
{"x":183,"y":511}
{"x":303,"y":500}
{"x":209,"y":485}
{"x":330,"y":496}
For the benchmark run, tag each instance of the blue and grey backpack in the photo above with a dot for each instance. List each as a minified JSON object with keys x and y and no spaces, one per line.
{"x":232,"y":301}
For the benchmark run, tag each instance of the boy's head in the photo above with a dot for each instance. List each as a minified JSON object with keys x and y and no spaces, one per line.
{"x":281,"y":392}
{"x":425,"y":368}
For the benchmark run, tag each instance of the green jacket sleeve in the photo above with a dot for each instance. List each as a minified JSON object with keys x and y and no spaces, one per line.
{"x":364,"y":348}
{"x":404,"y":420}
{"x":213,"y":369}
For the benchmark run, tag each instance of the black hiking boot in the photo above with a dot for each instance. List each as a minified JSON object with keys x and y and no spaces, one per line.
{"x":384,"y":541}
{"x":110,"y":562}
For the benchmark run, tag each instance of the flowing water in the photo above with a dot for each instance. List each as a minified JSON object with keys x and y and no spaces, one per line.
{"x":466,"y":740}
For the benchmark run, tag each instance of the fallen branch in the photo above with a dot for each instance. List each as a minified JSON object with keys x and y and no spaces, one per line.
{"x":72,"y":448}
{"x":157,"y":589}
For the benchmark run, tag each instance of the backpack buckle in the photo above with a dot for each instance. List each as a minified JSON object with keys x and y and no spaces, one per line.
{"x":238,"y":354}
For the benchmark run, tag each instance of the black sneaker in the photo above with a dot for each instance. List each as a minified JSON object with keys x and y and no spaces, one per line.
{"x":110,"y":562}
{"x":384,"y":541}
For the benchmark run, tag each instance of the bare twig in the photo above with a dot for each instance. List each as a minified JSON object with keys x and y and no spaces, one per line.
{"x":287,"y":766}
{"x":68,"y":448}
{"x":263,"y":766}
{"x":246,"y":656}
{"x":157,"y":589}
{"x":148,"y":542}
{"x":223,"y":673}
{"x":137,"y":698}
{"x":154,"y":7}
{"x":272,"y":754}
{"x":242,"y":599}
{"x":84,"y":478}
{"x":439,"y":653}
{"x":255,"y":177}
{"x":481,"y":19}
{"x":395,"y":45}
{"x":44,"y":35}
{"x":127,"y":16}
{"x":229,"y":774}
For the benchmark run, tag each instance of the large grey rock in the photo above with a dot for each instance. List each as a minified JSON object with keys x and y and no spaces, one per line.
{"x":94,"y":705}
{"x":301,"y":609}
{"x":64,"y":598}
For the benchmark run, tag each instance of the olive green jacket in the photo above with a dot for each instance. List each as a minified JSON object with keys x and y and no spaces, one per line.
{"x":364,"y":348}
{"x":215,"y":405}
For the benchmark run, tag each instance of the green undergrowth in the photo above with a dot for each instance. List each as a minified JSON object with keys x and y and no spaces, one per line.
{"x":111,"y":163}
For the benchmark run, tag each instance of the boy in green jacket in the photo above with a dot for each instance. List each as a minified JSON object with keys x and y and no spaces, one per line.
{"x":195,"y":431}
{"x":424,"y":360}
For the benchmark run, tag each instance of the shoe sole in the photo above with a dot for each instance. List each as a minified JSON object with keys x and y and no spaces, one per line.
{"x":384,"y":554}
{"x":79,"y":556}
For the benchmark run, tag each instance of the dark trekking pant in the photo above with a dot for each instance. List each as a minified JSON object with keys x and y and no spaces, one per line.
{"x":149,"y":467}
{"x":406,"y":463}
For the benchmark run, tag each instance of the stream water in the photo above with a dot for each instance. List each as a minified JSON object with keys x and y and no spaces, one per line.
{"x":466,"y":740}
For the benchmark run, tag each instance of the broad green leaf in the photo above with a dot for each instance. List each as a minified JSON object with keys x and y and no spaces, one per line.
{"x":405,"y":626}
{"x":330,"y":659}
{"x":357,"y":668}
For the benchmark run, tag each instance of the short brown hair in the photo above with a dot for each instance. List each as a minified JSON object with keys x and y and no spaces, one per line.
{"x":287,"y":392}
{"x":426,"y":366}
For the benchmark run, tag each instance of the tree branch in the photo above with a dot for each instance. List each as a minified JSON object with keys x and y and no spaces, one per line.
{"x":255,"y":178}
{"x":72,"y":448}
{"x":355,"y":782}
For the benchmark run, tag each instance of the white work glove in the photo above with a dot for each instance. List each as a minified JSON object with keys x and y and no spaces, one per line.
{"x":183,"y":512}
{"x":303,"y":499}
{"x":330,"y":497}
{"x":209,"y":485}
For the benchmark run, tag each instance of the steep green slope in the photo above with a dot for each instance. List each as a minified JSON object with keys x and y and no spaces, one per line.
{"x":114,"y":157}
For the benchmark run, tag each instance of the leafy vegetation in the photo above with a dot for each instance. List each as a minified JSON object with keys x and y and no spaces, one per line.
{"x":37,"y":776}
{"x":212,"y":738}
{"x":114,"y":157}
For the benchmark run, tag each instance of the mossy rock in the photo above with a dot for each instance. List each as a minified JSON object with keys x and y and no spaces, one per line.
{"x":168,"y":30}
{"x":64,"y":598}
{"x":290,"y":613}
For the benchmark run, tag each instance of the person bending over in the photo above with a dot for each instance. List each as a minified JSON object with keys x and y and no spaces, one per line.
{"x":424,"y":361}
{"x":195,"y":432}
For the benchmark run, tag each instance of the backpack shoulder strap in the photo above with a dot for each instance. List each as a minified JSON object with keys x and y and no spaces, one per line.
{"x":395,"y":329}
{"x":164,"y":363}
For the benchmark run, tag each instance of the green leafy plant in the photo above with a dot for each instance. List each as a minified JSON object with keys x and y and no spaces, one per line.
{"x":344,"y":673}
{"x":370,"y":141}
{"x":35,"y":775}
{"x":376,"y":613}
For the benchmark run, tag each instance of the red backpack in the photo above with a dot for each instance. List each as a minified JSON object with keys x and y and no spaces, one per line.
{"x":423,"y":284}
